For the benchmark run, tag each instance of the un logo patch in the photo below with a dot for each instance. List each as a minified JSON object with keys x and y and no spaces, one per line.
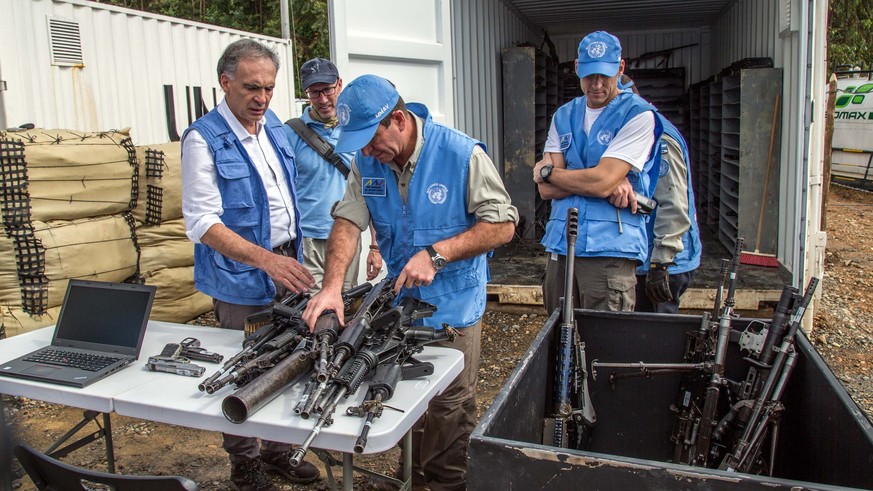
{"x":343,"y":113}
{"x":604,"y":137}
{"x":437,"y":193}
{"x":596,"y":49}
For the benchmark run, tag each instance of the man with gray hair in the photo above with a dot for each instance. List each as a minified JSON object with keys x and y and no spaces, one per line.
{"x":240,"y":209}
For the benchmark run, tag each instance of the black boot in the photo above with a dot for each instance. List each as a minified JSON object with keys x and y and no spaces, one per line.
{"x":280,"y":463}
{"x":250,"y":476}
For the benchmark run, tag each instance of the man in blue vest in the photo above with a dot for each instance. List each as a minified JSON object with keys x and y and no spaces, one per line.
{"x":240,"y":211}
{"x":598,"y":155}
{"x":674,"y":236}
{"x":319,"y":183}
{"x":438,"y":206}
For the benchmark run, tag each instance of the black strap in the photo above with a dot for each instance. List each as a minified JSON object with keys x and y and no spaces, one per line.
{"x":318,"y":144}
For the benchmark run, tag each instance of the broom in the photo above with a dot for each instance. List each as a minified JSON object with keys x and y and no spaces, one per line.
{"x":758,"y":258}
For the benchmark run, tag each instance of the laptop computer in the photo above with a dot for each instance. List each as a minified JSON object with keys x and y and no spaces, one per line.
{"x":100,"y":330}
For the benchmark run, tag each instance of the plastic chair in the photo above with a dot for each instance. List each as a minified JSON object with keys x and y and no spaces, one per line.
{"x":49,"y":474}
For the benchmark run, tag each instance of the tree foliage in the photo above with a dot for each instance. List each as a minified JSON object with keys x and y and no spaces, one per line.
{"x":850,"y":24}
{"x":309,"y":29}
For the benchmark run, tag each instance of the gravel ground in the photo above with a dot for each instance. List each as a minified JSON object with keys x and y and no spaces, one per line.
{"x":843,"y":335}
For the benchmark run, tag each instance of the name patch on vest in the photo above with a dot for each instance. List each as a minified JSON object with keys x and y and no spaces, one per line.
{"x":566,"y":140}
{"x":373,"y":186}
{"x":437,"y":193}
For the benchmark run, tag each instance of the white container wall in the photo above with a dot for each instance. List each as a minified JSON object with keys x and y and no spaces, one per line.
{"x":137,"y":70}
{"x":480,"y":30}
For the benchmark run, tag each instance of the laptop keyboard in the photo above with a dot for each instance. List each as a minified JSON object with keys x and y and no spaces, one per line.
{"x":75,"y":359}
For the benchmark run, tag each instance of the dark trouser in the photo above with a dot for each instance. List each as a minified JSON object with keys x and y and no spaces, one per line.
{"x":233,"y":316}
{"x":679,"y":282}
{"x":601,"y":283}
{"x":441,"y":436}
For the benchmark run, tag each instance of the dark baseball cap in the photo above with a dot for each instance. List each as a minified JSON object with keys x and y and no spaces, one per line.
{"x":318,"y":70}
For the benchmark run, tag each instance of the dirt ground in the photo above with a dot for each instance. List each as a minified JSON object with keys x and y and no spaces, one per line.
{"x":843,"y":334}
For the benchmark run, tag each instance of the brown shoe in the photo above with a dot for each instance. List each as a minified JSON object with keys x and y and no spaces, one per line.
{"x":250,"y":476}
{"x":280,"y":463}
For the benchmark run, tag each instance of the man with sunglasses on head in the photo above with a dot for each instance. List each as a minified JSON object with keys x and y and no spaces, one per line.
{"x":321,"y":180}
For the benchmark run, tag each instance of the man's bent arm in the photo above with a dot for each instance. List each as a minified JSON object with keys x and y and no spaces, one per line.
{"x":282,"y":269}
{"x":598,"y":181}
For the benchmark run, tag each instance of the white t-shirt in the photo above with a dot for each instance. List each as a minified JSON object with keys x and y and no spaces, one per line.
{"x":632,"y":144}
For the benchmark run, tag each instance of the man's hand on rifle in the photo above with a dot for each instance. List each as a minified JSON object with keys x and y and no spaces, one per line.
{"x":326,"y":299}
{"x":658,"y":283}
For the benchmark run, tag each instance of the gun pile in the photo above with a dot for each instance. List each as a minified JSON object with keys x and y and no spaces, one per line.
{"x":379,"y":342}
{"x":732,"y":425}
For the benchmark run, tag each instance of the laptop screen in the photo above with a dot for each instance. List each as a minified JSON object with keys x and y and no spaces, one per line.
{"x":101,"y":314}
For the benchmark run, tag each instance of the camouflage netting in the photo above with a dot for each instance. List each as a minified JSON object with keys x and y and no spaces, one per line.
{"x":160,"y":183}
{"x":77,"y":205}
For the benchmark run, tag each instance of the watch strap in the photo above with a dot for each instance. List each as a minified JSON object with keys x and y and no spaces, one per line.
{"x":430,"y":250}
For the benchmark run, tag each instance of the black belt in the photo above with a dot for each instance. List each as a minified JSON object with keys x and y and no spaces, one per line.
{"x":284,"y":249}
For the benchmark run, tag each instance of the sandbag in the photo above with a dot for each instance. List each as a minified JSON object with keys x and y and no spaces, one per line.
{"x":66,"y":175}
{"x":164,"y":246}
{"x":48,"y":254}
{"x":160,"y":183}
{"x":16,"y":321}
{"x":176,"y":299}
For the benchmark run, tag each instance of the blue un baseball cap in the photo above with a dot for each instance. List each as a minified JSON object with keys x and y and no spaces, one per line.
{"x":599,"y":53}
{"x":360,"y":107}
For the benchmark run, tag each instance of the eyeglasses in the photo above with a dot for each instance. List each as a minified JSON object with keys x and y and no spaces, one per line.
{"x":315,"y":94}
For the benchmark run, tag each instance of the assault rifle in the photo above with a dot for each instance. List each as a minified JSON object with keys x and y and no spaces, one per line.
{"x":285,"y":358}
{"x":746,"y":455}
{"x":277,"y":319}
{"x":705,"y":356}
{"x":573,"y":414}
{"x":388,"y":339}
{"x":377,"y":300}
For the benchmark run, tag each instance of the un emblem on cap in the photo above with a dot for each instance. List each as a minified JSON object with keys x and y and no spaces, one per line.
{"x":343,"y":113}
{"x":597,"y":49}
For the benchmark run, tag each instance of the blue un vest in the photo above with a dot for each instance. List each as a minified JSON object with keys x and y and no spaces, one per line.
{"x":246,"y":212}
{"x":319,"y":185}
{"x":436,"y":210}
{"x":689,"y":258}
{"x":598,"y":221}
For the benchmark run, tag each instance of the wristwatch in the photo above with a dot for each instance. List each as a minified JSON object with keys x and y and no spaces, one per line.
{"x":439,"y":262}
{"x":546,"y":172}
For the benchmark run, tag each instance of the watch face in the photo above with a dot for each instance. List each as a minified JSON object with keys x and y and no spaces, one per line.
{"x":545,"y":172}
{"x":439,"y":262}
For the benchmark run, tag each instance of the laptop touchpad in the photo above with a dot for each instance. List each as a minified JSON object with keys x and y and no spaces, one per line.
{"x":41,"y":369}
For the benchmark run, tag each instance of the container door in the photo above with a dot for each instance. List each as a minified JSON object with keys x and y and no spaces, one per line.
{"x":406,"y":42}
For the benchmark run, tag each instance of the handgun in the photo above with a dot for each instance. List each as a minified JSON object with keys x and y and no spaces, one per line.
{"x":191,"y":349}
{"x":645,"y":205}
{"x":169,"y":361}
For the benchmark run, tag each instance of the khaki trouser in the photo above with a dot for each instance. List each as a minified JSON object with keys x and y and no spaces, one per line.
{"x":601,"y":283}
{"x":441,"y":436}
{"x":315,"y":260}
{"x":233,"y":316}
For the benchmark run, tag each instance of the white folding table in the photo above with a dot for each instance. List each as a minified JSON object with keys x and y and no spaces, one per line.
{"x":174,"y":399}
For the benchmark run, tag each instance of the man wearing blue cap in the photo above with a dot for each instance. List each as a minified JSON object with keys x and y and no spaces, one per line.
{"x":321,"y":180}
{"x":438,"y":206}
{"x":241,"y":213}
{"x":598,"y":154}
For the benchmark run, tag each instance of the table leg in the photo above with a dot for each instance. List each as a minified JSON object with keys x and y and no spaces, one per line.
{"x":107,"y":439}
{"x":5,"y":450}
{"x":348,"y":470}
{"x":407,"y":456}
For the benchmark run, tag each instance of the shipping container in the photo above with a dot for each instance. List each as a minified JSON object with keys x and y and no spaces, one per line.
{"x":89,"y":66}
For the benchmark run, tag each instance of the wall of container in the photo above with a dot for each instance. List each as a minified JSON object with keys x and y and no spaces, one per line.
{"x":85,"y":66}
{"x":480,"y":30}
